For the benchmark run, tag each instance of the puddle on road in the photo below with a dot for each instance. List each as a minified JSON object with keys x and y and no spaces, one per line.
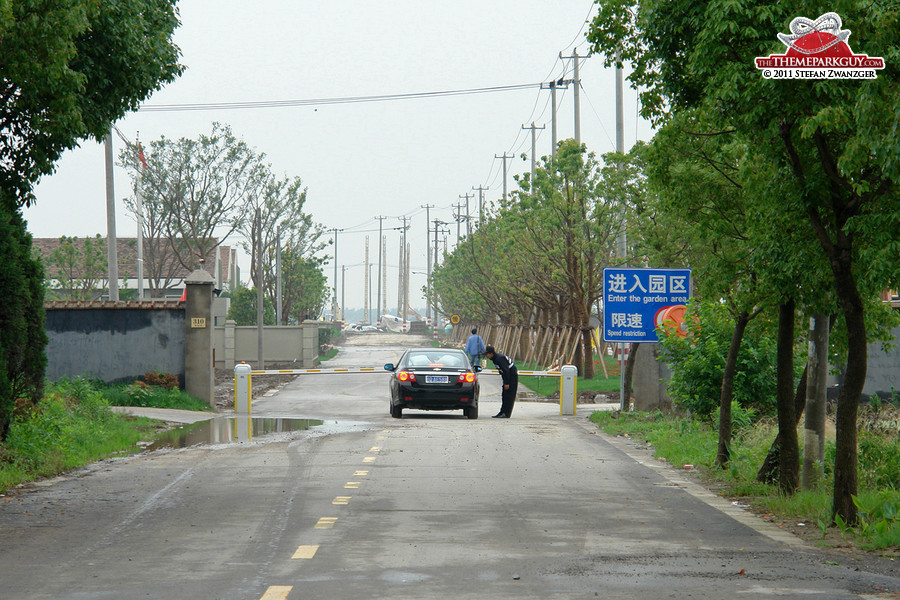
{"x":228,"y":430}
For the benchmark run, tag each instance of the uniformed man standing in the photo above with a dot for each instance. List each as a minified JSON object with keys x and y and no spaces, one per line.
{"x":510,"y":376}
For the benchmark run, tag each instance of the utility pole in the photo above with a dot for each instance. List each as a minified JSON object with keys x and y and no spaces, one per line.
{"x":402,"y":278}
{"x":622,"y":241}
{"x":533,"y":129}
{"x":139,"y":205}
{"x":468,"y":222}
{"x":504,"y":157}
{"x":334,"y":296}
{"x":380,"y":246}
{"x":384,"y":276}
{"x":553,"y":128}
{"x":112,"y":258}
{"x":577,"y":81}
{"x":343,"y":288}
{"x":428,"y":208}
{"x":259,"y":293}
{"x":366,"y":278}
{"x":481,"y":191}
{"x":457,"y":216}
{"x":278,"y":298}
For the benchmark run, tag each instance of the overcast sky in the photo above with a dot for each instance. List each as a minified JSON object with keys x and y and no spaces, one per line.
{"x":363,"y":160}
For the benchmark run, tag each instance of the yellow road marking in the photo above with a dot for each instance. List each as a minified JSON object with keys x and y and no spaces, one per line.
{"x":277,"y":592}
{"x":341,"y":500}
{"x":305,"y":551}
{"x":352,"y":485}
{"x":375,"y":449}
{"x":326,"y":523}
{"x":360,"y":473}
{"x":369,"y":459}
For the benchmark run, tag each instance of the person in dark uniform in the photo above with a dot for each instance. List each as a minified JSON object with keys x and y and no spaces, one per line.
{"x":510,"y":376}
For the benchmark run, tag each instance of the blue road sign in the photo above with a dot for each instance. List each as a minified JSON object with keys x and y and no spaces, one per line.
{"x":635,"y":301}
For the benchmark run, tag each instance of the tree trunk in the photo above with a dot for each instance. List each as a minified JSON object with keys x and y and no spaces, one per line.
{"x":789,"y":449}
{"x":628,"y":376}
{"x":768,"y":472}
{"x":726,"y":393}
{"x":588,"y":345}
{"x":845,"y":457}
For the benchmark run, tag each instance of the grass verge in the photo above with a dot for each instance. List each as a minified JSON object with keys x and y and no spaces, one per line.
{"x":681,"y":442}
{"x":73,"y":426}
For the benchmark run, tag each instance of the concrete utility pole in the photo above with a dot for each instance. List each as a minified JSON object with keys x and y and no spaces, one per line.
{"x":343,"y":288}
{"x":505,"y":157}
{"x":139,"y":206}
{"x":278,"y":294}
{"x":334,"y":296}
{"x":112,"y":258}
{"x":457,"y":216}
{"x":366,"y":284}
{"x":533,"y":129}
{"x":577,"y":81}
{"x":553,"y":128}
{"x":380,"y":246}
{"x":259,"y":293}
{"x":384,"y":275}
{"x":468,"y":222}
{"x":428,"y":208}
{"x":481,"y":191}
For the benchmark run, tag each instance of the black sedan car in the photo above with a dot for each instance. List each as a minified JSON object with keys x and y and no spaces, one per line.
{"x":434,"y":379}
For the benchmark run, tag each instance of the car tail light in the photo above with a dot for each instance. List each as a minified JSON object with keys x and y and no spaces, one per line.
{"x":406,"y":376}
{"x":466,"y":377}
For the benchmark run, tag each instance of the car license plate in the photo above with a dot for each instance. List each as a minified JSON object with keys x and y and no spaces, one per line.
{"x":436,"y":379}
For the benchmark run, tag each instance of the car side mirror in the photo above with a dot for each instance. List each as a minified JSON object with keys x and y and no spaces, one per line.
{"x":389,"y":367}
{"x":478,"y":368}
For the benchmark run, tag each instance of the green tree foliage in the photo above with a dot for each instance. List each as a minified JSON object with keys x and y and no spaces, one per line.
{"x":77,"y":268}
{"x":243,"y":308}
{"x":71,"y":68}
{"x":837,"y":139}
{"x":22,"y":335}
{"x":304,"y":286}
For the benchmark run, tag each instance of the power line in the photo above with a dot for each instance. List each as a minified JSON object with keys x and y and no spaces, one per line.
{"x":335,"y":100}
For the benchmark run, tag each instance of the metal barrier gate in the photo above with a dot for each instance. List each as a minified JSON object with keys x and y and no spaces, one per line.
{"x":243,"y":374}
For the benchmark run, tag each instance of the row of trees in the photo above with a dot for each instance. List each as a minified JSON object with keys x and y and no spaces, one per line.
{"x":69,"y":69}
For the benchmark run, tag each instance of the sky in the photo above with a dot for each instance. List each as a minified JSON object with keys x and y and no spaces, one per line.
{"x":364,"y":160}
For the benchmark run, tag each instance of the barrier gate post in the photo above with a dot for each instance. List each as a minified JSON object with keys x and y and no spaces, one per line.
{"x":242,"y":383}
{"x":568,"y":386}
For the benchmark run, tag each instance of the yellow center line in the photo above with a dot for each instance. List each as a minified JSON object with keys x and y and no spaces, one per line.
{"x":305,"y":551}
{"x":369,"y":459}
{"x":326,"y":523}
{"x":375,"y":449}
{"x":277,"y":592}
{"x":341,"y":500}
{"x":360,"y":473}
{"x":352,"y":485}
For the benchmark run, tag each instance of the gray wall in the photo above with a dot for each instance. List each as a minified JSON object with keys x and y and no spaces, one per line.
{"x":114,"y":344}
{"x":883,"y":369}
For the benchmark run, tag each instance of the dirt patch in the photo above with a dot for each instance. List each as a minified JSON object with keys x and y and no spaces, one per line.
{"x":224,"y":380}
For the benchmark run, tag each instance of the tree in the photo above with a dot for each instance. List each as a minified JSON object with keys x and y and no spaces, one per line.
{"x":304,"y":289}
{"x":78,"y":267}
{"x":69,"y":70}
{"x":838,"y":138}
{"x":243,"y":308}
{"x":196,"y":193}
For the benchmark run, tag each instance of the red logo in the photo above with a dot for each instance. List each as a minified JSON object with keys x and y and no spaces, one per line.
{"x":818,"y":50}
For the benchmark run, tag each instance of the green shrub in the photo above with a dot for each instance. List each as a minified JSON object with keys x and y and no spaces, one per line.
{"x":698,"y":362}
{"x":163,"y":380}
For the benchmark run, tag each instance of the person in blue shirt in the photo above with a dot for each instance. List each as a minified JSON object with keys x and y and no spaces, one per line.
{"x":475,"y":347}
{"x":510,"y":375}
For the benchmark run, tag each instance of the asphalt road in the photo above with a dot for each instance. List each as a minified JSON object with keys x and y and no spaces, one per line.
{"x":430,"y":506}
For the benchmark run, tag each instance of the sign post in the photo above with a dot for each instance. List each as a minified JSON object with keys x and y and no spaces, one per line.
{"x":638,"y":301}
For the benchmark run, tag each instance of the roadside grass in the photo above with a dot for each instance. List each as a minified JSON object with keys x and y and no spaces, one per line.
{"x":683,"y":441}
{"x":73,"y":426}
{"x":545,"y":386}
{"x":328,"y":355}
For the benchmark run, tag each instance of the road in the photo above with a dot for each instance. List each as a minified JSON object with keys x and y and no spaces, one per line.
{"x":430,"y":506}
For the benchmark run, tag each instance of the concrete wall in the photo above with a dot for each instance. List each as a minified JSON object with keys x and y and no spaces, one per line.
{"x":649,"y":380}
{"x":883,"y":369}
{"x":281,"y":344}
{"x":114,"y":343}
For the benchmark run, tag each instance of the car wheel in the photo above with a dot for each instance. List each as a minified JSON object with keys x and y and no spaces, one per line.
{"x":471,"y":412}
{"x":397,"y":411}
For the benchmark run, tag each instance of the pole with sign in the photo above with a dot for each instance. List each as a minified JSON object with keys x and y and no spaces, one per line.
{"x":638,"y":301}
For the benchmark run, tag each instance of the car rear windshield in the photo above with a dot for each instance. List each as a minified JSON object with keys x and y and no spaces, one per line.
{"x":437,"y":359}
